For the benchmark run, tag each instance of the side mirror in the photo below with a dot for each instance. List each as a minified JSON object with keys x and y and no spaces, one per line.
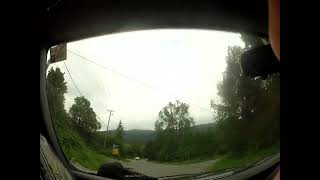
{"x":259,"y":61}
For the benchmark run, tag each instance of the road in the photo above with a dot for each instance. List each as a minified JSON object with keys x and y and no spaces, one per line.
{"x":158,"y":170}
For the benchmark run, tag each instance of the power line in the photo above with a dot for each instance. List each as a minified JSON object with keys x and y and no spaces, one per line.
{"x":114,"y":71}
{"x":133,"y":79}
{"x":77,"y":87}
{"x":127,"y":77}
{"x":101,"y":120}
{"x":72,"y":78}
{"x":105,"y":88}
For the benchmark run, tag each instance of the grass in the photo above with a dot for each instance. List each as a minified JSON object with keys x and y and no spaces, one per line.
{"x":90,"y":159}
{"x":230,"y":161}
{"x":87,"y":155}
{"x":87,"y":158}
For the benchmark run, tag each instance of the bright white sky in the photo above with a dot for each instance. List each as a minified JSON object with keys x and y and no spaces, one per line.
{"x":138,"y":73}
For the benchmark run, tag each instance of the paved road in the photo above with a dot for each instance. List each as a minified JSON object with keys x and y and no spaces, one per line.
{"x":159,"y":170}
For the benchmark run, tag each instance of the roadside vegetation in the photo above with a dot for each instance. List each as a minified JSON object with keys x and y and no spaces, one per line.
{"x":234,"y":161}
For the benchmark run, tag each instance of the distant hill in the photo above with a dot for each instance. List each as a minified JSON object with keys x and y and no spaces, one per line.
{"x":136,"y":135}
{"x":202,"y":127}
{"x":143,"y":136}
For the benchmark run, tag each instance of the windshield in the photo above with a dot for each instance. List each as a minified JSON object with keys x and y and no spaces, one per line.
{"x":162,"y":103}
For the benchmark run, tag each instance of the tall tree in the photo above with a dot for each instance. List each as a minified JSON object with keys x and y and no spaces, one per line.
{"x":120,"y":131}
{"x":245,"y":104}
{"x":174,"y":118}
{"x":56,"y":88}
{"x":83,"y":117}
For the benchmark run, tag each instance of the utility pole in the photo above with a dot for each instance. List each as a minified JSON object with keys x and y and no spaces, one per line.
{"x":105,"y":138}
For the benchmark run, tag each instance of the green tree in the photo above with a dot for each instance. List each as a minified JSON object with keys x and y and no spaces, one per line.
{"x":237,"y":96}
{"x":83,"y":117}
{"x":174,"y":118}
{"x":120,"y":131}
{"x":244,"y":111}
{"x":172,"y":127}
{"x":56,"y":89}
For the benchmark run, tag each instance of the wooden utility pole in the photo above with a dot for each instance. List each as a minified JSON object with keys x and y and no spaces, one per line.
{"x":105,"y":138}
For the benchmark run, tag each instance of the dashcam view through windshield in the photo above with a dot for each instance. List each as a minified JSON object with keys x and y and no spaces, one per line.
{"x":161,"y":103}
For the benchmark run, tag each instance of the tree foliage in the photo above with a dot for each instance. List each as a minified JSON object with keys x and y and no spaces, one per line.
{"x":83,"y":117}
{"x":56,"y":89}
{"x":249,"y":106}
{"x":173,"y":129}
{"x":120,"y":131}
{"x":174,"y":119}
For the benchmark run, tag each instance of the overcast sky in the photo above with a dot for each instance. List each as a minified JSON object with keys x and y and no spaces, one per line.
{"x":137,"y":73}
